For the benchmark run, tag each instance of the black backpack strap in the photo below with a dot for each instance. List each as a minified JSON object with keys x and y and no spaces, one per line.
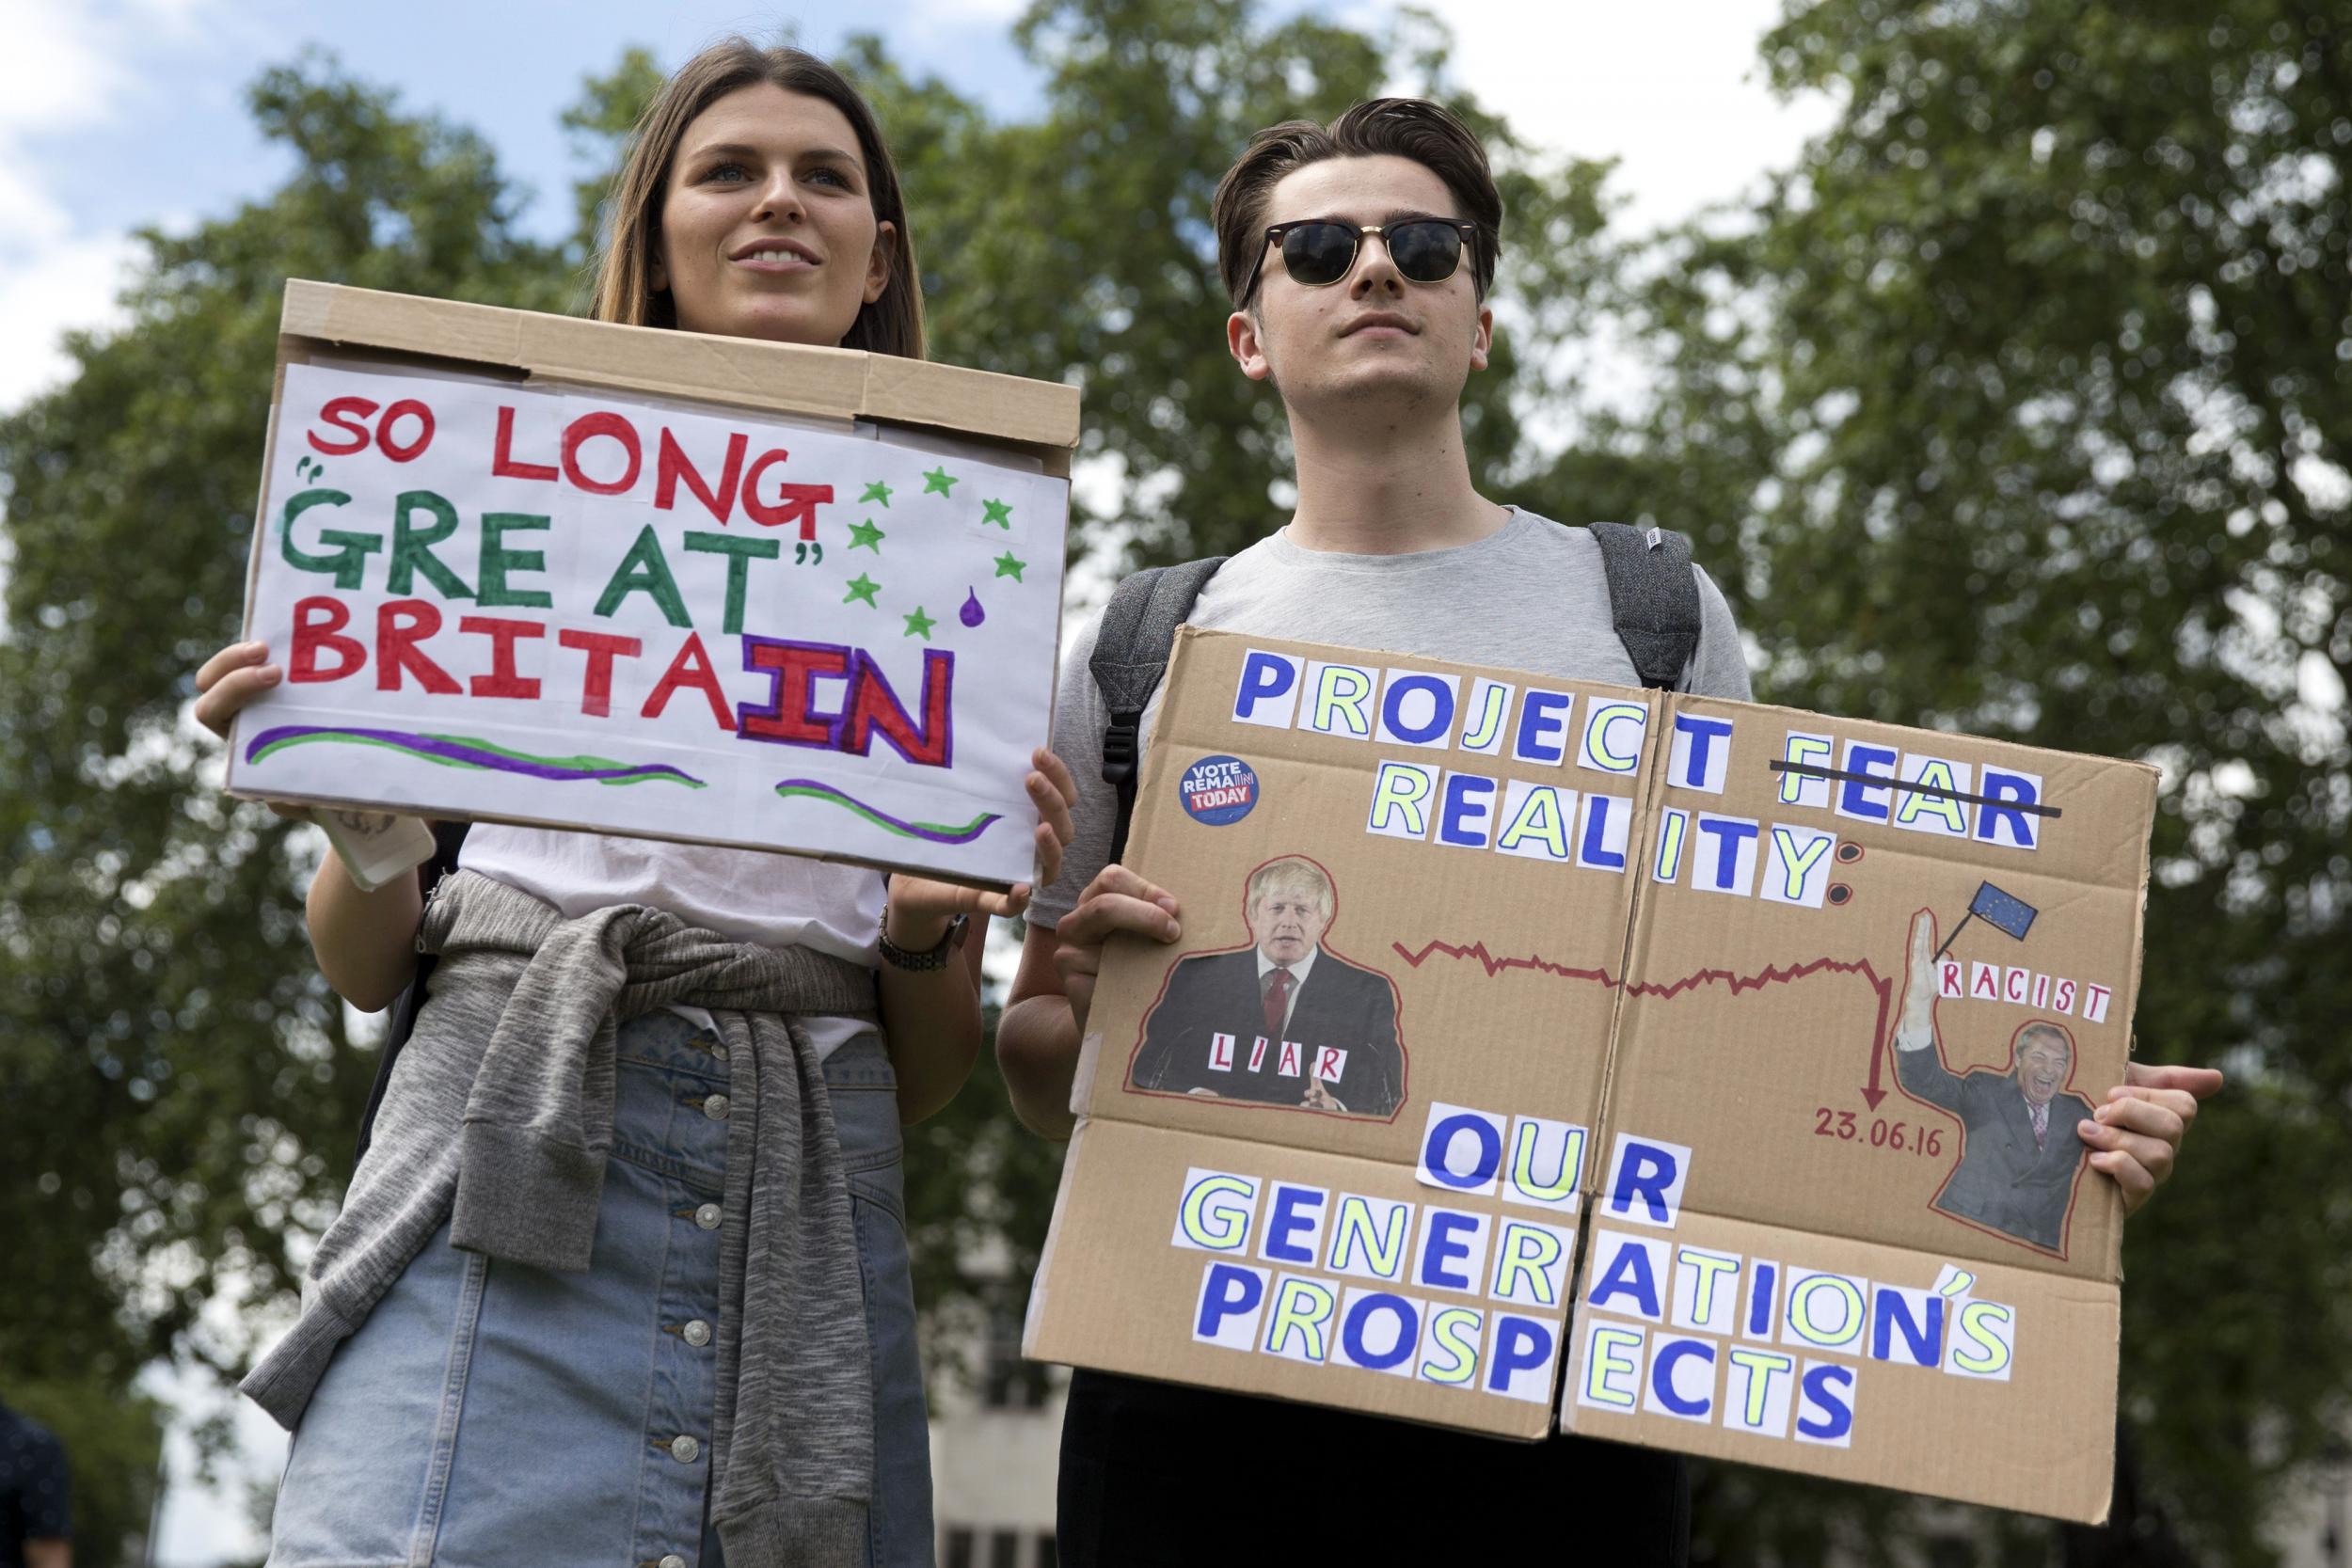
{"x":448,"y":838}
{"x":1130,"y":651}
{"x":1653,"y":598}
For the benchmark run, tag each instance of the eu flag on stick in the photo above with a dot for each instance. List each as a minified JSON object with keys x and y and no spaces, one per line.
{"x":2004,"y":911}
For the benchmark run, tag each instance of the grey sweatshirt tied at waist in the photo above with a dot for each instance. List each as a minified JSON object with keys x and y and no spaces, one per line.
{"x":499,"y":1117}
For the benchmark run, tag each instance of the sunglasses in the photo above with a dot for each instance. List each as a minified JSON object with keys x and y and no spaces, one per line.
{"x":1319,"y":251}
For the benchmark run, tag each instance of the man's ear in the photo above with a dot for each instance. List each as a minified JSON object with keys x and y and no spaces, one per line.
{"x":1243,"y":343}
{"x":878,"y":262}
{"x":1483,"y":339}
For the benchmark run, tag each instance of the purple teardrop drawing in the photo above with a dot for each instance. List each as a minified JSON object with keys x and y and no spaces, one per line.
{"x":971,"y":615}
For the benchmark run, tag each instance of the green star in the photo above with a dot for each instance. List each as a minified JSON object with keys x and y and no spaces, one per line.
{"x":920,"y":624}
{"x":938,"y":481}
{"x":877,"y":491}
{"x":1009,"y":567}
{"x":863,"y":588}
{"x":865,"y":533}
{"x":999,"y":512}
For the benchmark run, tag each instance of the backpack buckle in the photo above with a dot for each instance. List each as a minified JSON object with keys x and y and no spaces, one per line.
{"x":1119,"y":748}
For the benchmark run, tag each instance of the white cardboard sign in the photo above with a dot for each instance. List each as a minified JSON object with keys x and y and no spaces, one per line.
{"x":601,"y":611}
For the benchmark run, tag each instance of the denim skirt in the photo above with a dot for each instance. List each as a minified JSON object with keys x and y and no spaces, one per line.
{"x":492,"y":1414}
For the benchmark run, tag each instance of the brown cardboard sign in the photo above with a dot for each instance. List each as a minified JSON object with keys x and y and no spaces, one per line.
{"x":1684,"y":1072}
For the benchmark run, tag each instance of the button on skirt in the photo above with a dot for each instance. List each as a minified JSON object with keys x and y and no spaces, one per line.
{"x":492,"y":1414}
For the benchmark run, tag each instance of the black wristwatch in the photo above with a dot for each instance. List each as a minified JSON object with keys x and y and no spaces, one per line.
{"x":935,"y":958}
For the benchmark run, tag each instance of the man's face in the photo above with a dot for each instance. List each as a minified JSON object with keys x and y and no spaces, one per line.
{"x":2044,"y":1060}
{"x":1286,"y":923}
{"x":1372,"y":335}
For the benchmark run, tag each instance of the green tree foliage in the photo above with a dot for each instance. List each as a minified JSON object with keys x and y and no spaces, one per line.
{"x":181,"y":1088}
{"x":599,"y":123}
{"x":2027,"y":402}
{"x":1078,"y":245}
{"x":111,"y":1446}
{"x":980,"y":1195}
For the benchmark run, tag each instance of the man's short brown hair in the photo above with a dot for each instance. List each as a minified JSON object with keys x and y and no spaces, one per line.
{"x":1413,"y":128}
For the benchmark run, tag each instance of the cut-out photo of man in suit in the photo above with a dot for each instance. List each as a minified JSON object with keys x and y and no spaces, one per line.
{"x":2021,"y":1153}
{"x":1283,"y":1021}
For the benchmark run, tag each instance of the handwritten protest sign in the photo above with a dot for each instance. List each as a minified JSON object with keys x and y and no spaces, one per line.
{"x":1547,"y":1055}
{"x":609,"y":609}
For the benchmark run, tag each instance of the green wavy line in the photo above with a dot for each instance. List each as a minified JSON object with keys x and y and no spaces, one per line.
{"x":582,"y":761}
{"x":879,"y":820}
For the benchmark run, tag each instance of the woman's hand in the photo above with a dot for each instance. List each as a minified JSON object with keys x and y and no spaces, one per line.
{"x":364,"y":941}
{"x":931,"y":1017}
{"x":1117,"y":900}
{"x":228,"y":681}
{"x":921,"y":908}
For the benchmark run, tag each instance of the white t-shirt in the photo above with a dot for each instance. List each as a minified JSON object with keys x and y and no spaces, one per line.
{"x":1531,"y":596}
{"x":745,"y":895}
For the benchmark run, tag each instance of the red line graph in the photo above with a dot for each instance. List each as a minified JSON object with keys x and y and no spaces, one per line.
{"x":1880,"y":1045}
{"x":1774,"y":975}
{"x":1495,"y":966}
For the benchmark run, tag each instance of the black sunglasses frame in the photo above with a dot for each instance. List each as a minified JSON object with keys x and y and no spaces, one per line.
{"x":1273,"y":238}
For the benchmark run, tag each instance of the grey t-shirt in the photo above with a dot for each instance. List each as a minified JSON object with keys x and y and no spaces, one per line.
{"x":1532,"y":595}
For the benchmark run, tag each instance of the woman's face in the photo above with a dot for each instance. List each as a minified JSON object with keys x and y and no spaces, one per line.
{"x":768,"y":226}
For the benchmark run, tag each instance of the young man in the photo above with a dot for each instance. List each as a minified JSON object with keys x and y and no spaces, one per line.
{"x":1358,"y":258}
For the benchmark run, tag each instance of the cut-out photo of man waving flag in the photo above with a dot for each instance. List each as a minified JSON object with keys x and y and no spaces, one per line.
{"x":2020,"y":1154}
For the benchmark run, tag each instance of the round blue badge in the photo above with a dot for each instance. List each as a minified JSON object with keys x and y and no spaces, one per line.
{"x":1218,"y":791}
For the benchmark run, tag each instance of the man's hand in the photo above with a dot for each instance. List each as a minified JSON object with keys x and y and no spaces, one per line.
{"x":1918,"y":1027}
{"x":1115,"y":900}
{"x":1318,"y":1097}
{"x":2136,"y":1136}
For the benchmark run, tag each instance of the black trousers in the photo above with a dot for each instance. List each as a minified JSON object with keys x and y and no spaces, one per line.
{"x":1154,"y":1473}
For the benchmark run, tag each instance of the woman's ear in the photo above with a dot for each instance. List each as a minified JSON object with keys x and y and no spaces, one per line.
{"x":657,"y":267}
{"x":880,"y":261}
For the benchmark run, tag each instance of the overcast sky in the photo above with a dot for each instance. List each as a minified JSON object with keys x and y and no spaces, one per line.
{"x":116,"y":113}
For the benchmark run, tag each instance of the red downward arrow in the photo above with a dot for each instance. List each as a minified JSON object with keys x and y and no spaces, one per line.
{"x":1874,"y":1094}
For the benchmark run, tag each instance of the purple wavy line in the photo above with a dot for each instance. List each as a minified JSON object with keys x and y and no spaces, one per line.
{"x":470,"y":755}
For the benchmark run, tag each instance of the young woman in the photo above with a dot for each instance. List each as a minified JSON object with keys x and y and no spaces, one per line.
{"x":640,"y":1296}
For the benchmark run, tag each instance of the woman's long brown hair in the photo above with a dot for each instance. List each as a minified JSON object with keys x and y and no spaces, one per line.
{"x":624,"y":292}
